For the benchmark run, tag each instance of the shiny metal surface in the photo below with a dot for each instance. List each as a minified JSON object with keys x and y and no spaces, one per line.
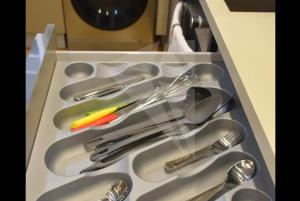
{"x":110,"y":148}
{"x":195,"y":94}
{"x":99,"y":93}
{"x":152,"y":133}
{"x":196,"y":114}
{"x":231,"y":139}
{"x":108,"y":90}
{"x":82,"y":36}
{"x":117,"y":192}
{"x":110,"y":158}
{"x":239,"y":173}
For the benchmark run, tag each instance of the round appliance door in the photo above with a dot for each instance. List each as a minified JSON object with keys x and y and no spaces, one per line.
{"x":110,"y":14}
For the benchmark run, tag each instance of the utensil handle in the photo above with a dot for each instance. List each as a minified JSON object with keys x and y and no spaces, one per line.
{"x":113,"y":157}
{"x":99,"y":93}
{"x":93,"y":117}
{"x":183,"y":161}
{"x":214,"y":192}
{"x":104,"y":150}
{"x":105,"y":139}
{"x":103,"y":120}
{"x":116,"y":156}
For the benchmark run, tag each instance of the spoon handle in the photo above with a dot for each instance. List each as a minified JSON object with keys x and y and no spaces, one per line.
{"x":183,"y":161}
{"x":214,"y":192}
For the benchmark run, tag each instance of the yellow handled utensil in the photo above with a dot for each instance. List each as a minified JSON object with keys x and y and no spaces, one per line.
{"x":94,"y":116}
{"x":120,"y":106}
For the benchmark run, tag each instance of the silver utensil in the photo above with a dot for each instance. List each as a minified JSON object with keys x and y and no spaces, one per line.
{"x":108,"y":139}
{"x":239,"y":173}
{"x":179,"y":85}
{"x":107,"y":90}
{"x":193,"y":95}
{"x":150,"y":134}
{"x":118,"y":135}
{"x":195,"y":114}
{"x":117,"y":155}
{"x":117,"y":192}
{"x":230,"y":140}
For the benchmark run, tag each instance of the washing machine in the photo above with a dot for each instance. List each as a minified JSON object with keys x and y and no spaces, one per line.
{"x":110,"y":24}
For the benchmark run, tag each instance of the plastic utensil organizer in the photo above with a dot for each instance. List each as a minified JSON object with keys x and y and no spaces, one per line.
{"x":59,"y":154}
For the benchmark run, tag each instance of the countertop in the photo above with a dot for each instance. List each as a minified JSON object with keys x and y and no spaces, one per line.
{"x":247,"y":43}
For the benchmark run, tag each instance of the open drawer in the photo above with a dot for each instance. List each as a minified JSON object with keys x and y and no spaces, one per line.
{"x":58,"y":154}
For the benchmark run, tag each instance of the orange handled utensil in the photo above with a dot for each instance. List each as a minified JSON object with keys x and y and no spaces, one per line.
{"x":103,"y":120}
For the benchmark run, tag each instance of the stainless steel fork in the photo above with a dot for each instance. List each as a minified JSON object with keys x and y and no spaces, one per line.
{"x":231,"y":139}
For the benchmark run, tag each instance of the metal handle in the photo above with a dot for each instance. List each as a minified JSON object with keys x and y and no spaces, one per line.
{"x":109,"y":90}
{"x":102,"y":92}
{"x":118,"y":136}
{"x":183,"y":161}
{"x":108,"y":139}
{"x":115,"y":156}
{"x":196,"y":14}
{"x":102,"y":151}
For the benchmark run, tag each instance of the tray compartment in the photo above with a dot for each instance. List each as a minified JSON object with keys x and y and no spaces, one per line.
{"x":64,"y":117}
{"x":207,"y":72}
{"x":249,"y":195}
{"x":68,"y":156}
{"x":63,"y":153}
{"x":79,"y":70}
{"x":88,"y":188}
{"x":104,"y":79}
{"x":105,"y":70}
{"x":174,"y":69}
{"x":186,"y":187}
{"x":150,"y":168}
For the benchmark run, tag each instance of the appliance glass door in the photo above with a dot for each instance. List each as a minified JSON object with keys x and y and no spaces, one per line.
{"x":110,"y":14}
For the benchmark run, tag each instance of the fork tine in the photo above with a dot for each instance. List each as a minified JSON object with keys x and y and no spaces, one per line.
{"x":230,"y":136}
{"x":231,"y":139}
{"x":236,"y":137}
{"x":234,"y":134}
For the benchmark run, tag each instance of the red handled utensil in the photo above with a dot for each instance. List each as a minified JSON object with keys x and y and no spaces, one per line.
{"x":103,"y":120}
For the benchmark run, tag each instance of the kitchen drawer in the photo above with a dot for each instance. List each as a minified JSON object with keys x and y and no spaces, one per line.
{"x":58,"y":154}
